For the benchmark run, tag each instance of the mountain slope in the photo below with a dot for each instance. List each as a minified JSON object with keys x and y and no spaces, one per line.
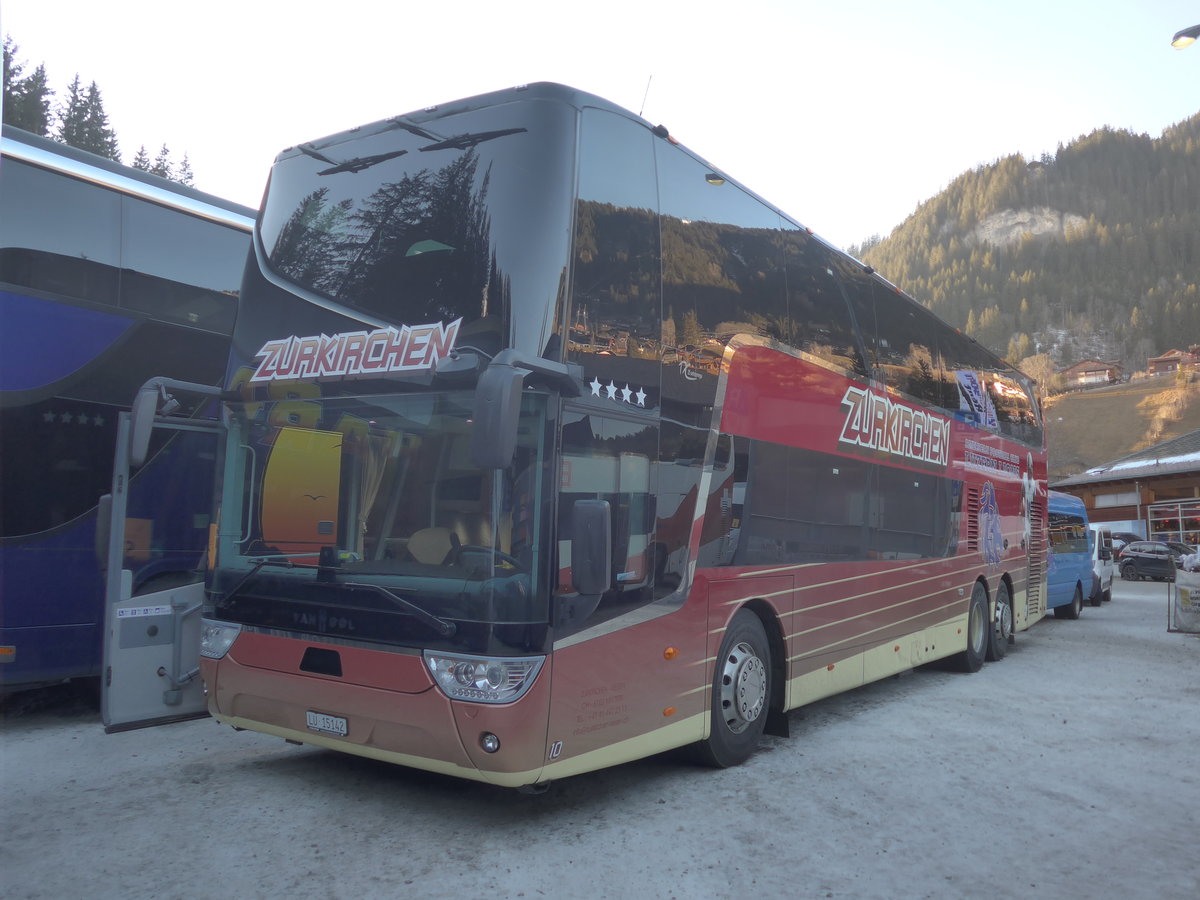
{"x":1092,"y":252}
{"x":1087,"y":428}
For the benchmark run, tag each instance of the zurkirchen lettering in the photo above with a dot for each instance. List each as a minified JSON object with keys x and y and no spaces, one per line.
{"x":356,"y":353}
{"x":876,"y":422}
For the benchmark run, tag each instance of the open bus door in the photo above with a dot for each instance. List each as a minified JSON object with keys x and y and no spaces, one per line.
{"x":152,"y":639}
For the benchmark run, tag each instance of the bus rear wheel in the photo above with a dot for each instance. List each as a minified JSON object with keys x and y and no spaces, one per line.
{"x":1000,"y":635}
{"x":741,"y":693}
{"x":971,"y":659}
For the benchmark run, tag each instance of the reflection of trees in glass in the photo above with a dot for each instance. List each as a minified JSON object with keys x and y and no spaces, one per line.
{"x":305,"y":250}
{"x":415,"y":250}
{"x":616,"y":306}
{"x":717,"y":280}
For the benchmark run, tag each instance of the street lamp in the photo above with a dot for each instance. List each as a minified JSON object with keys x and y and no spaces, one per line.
{"x":1185,"y":38}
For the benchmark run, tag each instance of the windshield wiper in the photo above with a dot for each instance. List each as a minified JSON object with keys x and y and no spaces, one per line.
{"x":361,"y":162}
{"x":441,"y":626}
{"x":258,"y":563}
{"x":463,"y":141}
{"x":357,"y":164}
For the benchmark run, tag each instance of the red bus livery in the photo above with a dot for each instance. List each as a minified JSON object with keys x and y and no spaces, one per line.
{"x":659,"y":465}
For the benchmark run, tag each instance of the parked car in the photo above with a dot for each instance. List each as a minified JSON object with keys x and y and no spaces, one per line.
{"x":1122,"y":538}
{"x":1152,"y":559}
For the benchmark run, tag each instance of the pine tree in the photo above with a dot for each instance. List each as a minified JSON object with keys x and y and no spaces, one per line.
{"x":185,"y":175}
{"x":101,"y":139}
{"x":141,"y":160}
{"x":162,"y":163}
{"x":72,"y":115}
{"x":85,"y":123}
{"x":26,"y":99}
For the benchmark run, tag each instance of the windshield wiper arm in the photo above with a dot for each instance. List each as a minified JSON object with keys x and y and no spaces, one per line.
{"x":307,"y":150}
{"x":441,"y":626}
{"x":463,"y":141}
{"x":360,"y":162}
{"x":413,"y":129}
{"x":255,"y":566}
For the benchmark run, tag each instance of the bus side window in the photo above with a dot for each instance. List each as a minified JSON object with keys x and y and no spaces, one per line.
{"x":615,"y":302}
{"x":818,"y":320}
{"x":610,"y":460}
{"x":75,"y":228}
{"x":802,"y":506}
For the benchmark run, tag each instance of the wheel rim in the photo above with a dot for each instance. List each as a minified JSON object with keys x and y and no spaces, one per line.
{"x":1004,"y":619}
{"x":743,"y":688}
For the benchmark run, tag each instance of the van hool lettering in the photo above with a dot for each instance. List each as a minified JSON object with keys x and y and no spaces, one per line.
{"x":356,"y":353}
{"x":876,"y":422}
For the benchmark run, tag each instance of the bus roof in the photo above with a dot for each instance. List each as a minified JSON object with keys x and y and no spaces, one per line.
{"x":546,"y":90}
{"x":72,"y":161}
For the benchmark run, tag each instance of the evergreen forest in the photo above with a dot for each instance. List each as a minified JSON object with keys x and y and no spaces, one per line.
{"x":1090,"y":253}
{"x":78,"y":120}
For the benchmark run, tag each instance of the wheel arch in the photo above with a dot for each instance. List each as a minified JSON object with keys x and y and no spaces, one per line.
{"x":777,"y":722}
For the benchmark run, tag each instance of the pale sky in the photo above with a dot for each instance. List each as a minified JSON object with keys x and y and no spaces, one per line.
{"x":847,"y":114}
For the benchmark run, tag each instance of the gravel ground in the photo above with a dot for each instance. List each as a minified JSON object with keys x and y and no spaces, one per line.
{"x":1069,"y":769}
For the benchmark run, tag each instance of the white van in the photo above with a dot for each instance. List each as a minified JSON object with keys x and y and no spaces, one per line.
{"x":1103,"y":566}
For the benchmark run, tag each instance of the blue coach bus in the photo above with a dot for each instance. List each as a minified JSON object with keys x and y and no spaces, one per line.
{"x":108,"y":276}
{"x":1069,"y":574}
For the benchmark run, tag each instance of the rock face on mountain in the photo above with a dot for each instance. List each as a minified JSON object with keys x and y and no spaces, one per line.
{"x":1009,"y":226}
{"x":1099,"y":242}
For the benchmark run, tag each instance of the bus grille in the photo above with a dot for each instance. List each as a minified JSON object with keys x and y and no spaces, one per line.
{"x":973,"y":495}
{"x":1036,"y":603}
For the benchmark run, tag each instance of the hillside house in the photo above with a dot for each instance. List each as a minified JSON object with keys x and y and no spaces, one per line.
{"x":1173,"y":361}
{"x":1089,"y":373}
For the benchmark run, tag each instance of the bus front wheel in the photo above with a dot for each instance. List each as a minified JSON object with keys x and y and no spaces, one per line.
{"x":741,"y":693}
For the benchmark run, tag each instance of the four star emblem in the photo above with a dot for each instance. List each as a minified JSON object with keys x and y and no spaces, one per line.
{"x":634,"y":397}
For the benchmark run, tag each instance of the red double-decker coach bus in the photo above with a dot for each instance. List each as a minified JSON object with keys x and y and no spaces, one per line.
{"x":552,"y":447}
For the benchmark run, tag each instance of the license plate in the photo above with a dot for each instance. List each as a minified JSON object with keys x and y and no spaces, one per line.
{"x":326,"y":724}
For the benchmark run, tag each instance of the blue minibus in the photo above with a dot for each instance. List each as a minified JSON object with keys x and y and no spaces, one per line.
{"x":1069,"y":573}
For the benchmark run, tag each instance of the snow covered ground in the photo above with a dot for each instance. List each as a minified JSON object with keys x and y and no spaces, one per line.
{"x":1070,"y":769}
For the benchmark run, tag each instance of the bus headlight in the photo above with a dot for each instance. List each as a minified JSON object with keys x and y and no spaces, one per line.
{"x":216,"y":638}
{"x":483,"y":679}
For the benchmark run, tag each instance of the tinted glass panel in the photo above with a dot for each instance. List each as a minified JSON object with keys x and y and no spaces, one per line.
{"x":818,"y":320}
{"x":181,"y":268}
{"x":58,"y":234}
{"x":55,"y":446}
{"x":722,"y":262}
{"x":466,"y":216}
{"x":913,"y":514}
{"x":611,"y":460}
{"x":803,"y":506}
{"x":616,"y":316}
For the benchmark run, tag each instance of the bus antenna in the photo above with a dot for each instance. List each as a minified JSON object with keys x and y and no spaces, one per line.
{"x":645,"y":95}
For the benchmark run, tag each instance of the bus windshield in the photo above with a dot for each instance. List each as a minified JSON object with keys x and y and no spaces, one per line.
{"x":415,"y":226}
{"x":356,"y":516}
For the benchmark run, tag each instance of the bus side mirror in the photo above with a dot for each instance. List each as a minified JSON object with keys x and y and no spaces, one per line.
{"x":497,"y":411}
{"x":145,"y":405}
{"x":591,"y":546}
{"x":1105,"y":553}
